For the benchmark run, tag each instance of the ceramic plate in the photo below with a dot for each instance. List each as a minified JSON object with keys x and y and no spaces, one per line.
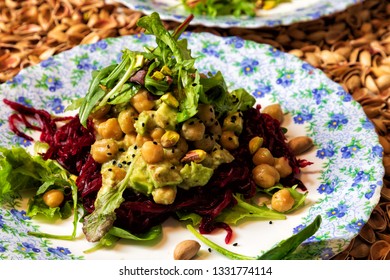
{"x":344,"y":183}
{"x":284,"y":14}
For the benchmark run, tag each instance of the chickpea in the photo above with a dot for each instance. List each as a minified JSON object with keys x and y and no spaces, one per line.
{"x":206,"y":114}
{"x":193,"y":129}
{"x":157,"y":133}
{"x":177,"y":151}
{"x":104,"y":150}
{"x":53,"y":198}
{"x":216,"y":130}
{"x":263,"y":155}
{"x":275,"y":111}
{"x":152,"y":152}
{"x":126,"y":121}
{"x":164,"y":195}
{"x":119,"y":173}
{"x":283,"y":166}
{"x":229,"y":140}
{"x":265,"y":175}
{"x":141,"y":139}
{"x":110,"y":129}
{"x":206,"y":143}
{"x":282,"y":200}
{"x":142,"y":101}
{"x":130,"y":139}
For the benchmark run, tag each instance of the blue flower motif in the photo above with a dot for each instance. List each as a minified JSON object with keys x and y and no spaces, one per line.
{"x":2,"y":249}
{"x":345,"y":96}
{"x":298,"y":229}
{"x":24,"y":101}
{"x":303,"y":116}
{"x":326,"y":188}
{"x":361,"y":176}
{"x":17,"y":80}
{"x":261,"y":90}
{"x":53,"y":83}
{"x":248,"y":65}
{"x":326,"y":253}
{"x":56,"y":105}
{"x":98,"y":45}
{"x":59,"y":251}
{"x":370,"y":192}
{"x":337,"y":120}
{"x":348,"y":151}
{"x":338,"y":211}
{"x":235,"y":41}
{"x":367,"y":124}
{"x":377,"y":150}
{"x":319,"y":94}
{"x":274,"y":52}
{"x":1,"y":221}
{"x":210,"y":50}
{"x":307,"y":67}
{"x":48,"y":62}
{"x":355,"y":227}
{"x":20,"y":215}
{"x":21,"y":141}
{"x":85,"y":64}
{"x":28,"y":247}
{"x":285,"y":80}
{"x":142,"y":37}
{"x":326,"y":152}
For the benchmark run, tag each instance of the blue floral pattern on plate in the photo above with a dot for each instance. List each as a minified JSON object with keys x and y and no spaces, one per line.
{"x":285,"y":14}
{"x":344,"y":182}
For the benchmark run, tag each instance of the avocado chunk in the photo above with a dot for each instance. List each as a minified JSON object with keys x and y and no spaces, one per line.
{"x":145,"y":122}
{"x":166,"y":116}
{"x":195,"y":175}
{"x":233,"y":122}
{"x":164,"y":174}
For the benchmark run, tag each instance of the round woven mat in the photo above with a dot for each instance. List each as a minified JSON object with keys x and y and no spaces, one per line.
{"x":352,"y":47}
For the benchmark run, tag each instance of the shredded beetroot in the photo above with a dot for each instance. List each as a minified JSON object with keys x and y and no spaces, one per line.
{"x":70,"y":146}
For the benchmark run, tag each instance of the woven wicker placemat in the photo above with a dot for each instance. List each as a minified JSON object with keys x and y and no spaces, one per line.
{"x":352,"y":47}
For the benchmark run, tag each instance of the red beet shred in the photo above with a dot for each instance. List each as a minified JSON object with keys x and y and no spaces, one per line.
{"x":70,"y":146}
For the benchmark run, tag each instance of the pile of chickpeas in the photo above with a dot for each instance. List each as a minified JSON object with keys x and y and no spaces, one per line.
{"x":268,"y":169}
{"x":118,"y":128}
{"x":193,"y":140}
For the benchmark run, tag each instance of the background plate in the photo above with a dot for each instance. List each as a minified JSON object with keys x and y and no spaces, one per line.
{"x":344,"y":182}
{"x":284,"y":14}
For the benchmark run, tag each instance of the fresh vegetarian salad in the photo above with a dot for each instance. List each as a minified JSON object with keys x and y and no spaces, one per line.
{"x":154,"y":139}
{"x":236,"y":8}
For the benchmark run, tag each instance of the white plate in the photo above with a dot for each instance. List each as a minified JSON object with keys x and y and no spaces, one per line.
{"x":283,"y":14}
{"x":344,"y":182}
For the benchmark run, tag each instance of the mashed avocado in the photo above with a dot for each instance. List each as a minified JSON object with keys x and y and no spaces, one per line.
{"x":194,"y":175}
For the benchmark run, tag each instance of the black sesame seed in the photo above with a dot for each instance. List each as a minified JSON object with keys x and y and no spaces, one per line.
{"x":108,"y":146}
{"x":172,"y":167}
{"x":124,"y":162}
{"x":114,"y":162}
{"x":129,"y":162}
{"x":209,"y":249}
{"x":143,"y":124}
{"x":235,"y":244}
{"x":133,"y":155}
{"x":135,"y":147}
{"x":270,"y":222}
{"x":136,"y":119}
{"x":121,"y":150}
{"x":109,"y":154}
{"x":154,"y":142}
{"x":109,"y":169}
{"x":119,"y":165}
{"x":191,"y":122}
{"x":230,"y":138}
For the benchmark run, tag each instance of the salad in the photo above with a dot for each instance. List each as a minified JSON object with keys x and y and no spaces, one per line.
{"x":236,"y":8}
{"x":154,"y":138}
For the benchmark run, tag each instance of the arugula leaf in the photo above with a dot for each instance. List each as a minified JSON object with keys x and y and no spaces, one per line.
{"x":244,"y":209}
{"x":108,"y":199}
{"x":281,"y":251}
{"x":152,"y":234}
